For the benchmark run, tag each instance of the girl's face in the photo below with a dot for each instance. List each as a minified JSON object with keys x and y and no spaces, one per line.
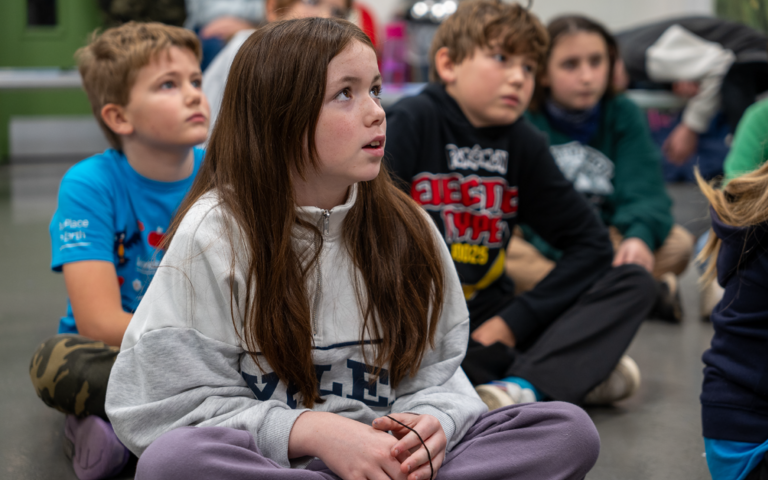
{"x":306,"y":9}
{"x":351,"y":129}
{"x":577,"y":70}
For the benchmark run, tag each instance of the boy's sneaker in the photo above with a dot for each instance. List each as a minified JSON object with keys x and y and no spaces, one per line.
{"x":622,"y":383}
{"x":501,"y":394}
{"x":710,"y":296}
{"x":668,"y":305}
{"x":92,"y":445}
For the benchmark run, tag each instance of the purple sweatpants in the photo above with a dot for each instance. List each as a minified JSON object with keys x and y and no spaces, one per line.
{"x":536,"y":441}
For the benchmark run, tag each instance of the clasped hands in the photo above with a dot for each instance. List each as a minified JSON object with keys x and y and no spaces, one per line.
{"x":355,"y":451}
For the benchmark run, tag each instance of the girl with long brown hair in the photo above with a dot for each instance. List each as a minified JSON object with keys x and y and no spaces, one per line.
{"x":734,"y":399}
{"x":305,"y":306}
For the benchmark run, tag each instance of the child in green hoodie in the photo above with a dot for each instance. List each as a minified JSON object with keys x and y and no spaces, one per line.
{"x":602,"y":144}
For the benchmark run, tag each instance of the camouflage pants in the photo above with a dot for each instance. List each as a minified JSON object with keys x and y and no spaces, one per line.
{"x":70,"y":373}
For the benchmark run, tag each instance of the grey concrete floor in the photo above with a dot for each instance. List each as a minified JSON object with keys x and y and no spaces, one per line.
{"x":654,"y":435}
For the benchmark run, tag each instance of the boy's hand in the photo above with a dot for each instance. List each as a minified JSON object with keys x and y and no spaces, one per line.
{"x":409,"y":449}
{"x":352,"y":450}
{"x":680,"y":144}
{"x":634,"y":250}
{"x":494,"y":330}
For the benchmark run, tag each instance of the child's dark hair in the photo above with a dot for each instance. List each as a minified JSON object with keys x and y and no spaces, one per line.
{"x":486,"y":23}
{"x":568,"y":25}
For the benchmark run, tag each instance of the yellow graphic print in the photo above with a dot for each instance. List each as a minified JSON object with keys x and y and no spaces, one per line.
{"x":472,"y":254}
{"x":493,"y":273}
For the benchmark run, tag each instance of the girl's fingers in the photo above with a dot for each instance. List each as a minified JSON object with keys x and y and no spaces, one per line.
{"x":420,"y":459}
{"x":407,"y":443}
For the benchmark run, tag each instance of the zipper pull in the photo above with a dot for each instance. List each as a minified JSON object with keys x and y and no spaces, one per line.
{"x":326,"y":221}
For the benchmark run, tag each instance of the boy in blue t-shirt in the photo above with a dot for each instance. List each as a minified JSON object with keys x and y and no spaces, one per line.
{"x":144,"y":85}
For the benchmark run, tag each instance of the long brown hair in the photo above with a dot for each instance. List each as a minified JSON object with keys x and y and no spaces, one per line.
{"x":268,"y":117}
{"x":742,"y":202}
{"x":568,"y":25}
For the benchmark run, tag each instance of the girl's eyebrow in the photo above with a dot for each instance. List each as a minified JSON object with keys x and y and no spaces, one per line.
{"x":353,"y":79}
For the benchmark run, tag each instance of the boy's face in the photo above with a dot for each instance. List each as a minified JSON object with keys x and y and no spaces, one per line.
{"x":166,"y":106}
{"x":491,"y":87}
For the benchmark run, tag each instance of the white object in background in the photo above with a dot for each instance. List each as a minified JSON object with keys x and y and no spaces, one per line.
{"x":54,"y":136}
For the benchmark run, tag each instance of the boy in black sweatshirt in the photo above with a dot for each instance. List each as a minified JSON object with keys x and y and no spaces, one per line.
{"x":478,"y":168}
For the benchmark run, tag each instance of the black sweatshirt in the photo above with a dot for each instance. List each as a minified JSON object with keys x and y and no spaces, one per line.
{"x":476,"y":184}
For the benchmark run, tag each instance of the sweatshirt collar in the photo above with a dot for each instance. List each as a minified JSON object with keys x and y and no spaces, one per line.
{"x":329,"y":222}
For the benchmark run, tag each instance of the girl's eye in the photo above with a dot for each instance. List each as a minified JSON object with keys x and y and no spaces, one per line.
{"x":570,"y":64}
{"x":167,"y":85}
{"x":500,"y":57}
{"x":376,"y":92}
{"x":344,"y":95}
{"x":197,"y":83}
{"x":529,"y":68}
{"x":596,"y":61}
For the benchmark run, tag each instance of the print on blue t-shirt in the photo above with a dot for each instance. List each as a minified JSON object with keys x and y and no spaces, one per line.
{"x":107,"y":211}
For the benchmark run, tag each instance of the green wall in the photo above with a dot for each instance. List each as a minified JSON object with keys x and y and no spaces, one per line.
{"x":750,"y":12}
{"x":50,"y":46}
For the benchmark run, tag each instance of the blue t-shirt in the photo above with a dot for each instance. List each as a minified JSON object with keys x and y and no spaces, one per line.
{"x":107,"y":211}
{"x":729,"y":460}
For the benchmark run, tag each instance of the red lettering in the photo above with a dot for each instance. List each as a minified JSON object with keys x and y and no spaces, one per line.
{"x":466,"y":196}
{"x":492,"y":188}
{"x":496,"y":231}
{"x":450,"y":187}
{"x":424,"y":192}
{"x":462,"y":221}
{"x":509,"y":201}
{"x":480,"y":224}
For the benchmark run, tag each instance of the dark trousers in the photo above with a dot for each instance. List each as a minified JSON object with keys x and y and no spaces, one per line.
{"x":741,"y":85}
{"x":580,"y":348}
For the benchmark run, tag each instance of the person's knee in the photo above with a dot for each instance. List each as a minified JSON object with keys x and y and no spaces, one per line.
{"x":639,"y":281}
{"x":170,"y":456}
{"x":193,"y":452}
{"x":580,"y":441}
{"x":45,"y":364}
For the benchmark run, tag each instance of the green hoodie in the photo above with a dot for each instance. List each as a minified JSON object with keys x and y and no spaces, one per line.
{"x":619,"y":171}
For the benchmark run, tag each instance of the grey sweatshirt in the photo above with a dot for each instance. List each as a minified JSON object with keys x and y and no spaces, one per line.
{"x":181,"y":362}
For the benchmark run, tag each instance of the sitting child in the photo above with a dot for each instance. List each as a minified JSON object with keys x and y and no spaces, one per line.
{"x":734,"y":400}
{"x":602,"y":144}
{"x":305,"y":306}
{"x":478,"y":169}
{"x":144,"y":84}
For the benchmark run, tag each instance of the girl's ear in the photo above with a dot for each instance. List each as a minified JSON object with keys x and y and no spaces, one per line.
{"x":114,"y":116}
{"x":446,"y":68}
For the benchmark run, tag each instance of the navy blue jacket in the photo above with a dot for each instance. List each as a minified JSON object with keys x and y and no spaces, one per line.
{"x":734,"y":400}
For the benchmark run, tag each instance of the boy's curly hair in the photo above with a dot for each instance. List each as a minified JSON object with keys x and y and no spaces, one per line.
{"x":486,"y":24}
{"x":111,"y":61}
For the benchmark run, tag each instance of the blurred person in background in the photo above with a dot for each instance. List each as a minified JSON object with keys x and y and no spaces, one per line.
{"x":601,"y":143}
{"x":717,"y":64}
{"x":217,"y":72}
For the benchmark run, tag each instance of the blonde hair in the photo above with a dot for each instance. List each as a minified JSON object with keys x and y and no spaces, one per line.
{"x":741,"y":203}
{"x":111,"y":61}
{"x":479,"y":23}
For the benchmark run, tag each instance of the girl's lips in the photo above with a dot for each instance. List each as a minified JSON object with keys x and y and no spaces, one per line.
{"x":375,"y":151}
{"x":197,"y":118}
